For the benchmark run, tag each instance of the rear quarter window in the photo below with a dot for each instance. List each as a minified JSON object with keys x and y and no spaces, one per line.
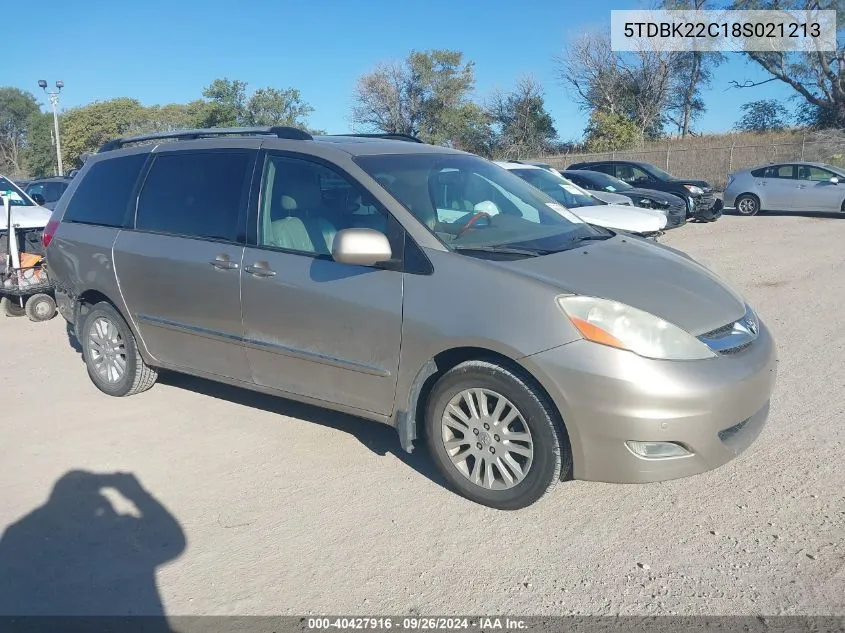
{"x":102,"y":197}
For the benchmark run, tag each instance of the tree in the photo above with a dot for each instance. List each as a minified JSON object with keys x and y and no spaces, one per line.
{"x":86,"y":128}
{"x":271,"y":106}
{"x":40,"y":151}
{"x":691,"y":71}
{"x":225,"y":105}
{"x":608,"y":131}
{"x":633,"y":84}
{"x":524,"y":126}
{"x":426,"y":95}
{"x":818,"y":77}
{"x":763,"y":115}
{"x":16,"y":108}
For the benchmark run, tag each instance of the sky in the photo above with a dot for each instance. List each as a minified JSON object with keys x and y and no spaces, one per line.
{"x":165,"y":51}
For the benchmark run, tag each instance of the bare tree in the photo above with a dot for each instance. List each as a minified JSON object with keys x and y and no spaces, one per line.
{"x":385,"y":101}
{"x":634,"y":84}
{"x":525,"y":128}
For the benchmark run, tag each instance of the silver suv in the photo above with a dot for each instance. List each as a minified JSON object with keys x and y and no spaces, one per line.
{"x":414,"y":285}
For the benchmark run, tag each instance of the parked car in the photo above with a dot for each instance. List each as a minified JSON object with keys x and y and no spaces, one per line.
{"x":702,"y":203}
{"x":50,"y":189}
{"x":787,"y":187}
{"x":415,"y":285}
{"x":610,"y":198}
{"x":644,"y":222}
{"x":603,"y":186}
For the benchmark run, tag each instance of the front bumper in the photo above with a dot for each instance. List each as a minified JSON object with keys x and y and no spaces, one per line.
{"x":608,"y":396}
{"x":706,"y":208}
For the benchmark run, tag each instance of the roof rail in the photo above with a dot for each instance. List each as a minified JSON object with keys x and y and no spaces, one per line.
{"x":387,"y":135}
{"x":184,"y":135}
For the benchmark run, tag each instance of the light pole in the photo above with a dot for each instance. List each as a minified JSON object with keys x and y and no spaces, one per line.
{"x":54,"y":100}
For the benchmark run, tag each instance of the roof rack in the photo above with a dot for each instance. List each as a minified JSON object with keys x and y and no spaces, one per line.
{"x":184,"y":135}
{"x":390,"y":136}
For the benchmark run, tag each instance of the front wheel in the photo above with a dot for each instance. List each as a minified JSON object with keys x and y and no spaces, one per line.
{"x":494,"y":436}
{"x":114,"y":363}
{"x":748,"y":204}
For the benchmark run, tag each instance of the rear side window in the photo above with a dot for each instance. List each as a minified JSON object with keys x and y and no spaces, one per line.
{"x":103,"y":195}
{"x":195,"y":194}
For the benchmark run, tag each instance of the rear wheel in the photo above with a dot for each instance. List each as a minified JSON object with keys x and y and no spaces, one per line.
{"x":11,"y":307}
{"x":114,"y":363}
{"x":495,"y":436}
{"x":748,"y":204}
{"x":40,"y":307}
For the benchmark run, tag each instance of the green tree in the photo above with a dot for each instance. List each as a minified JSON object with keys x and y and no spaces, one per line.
{"x":524,"y":127}
{"x":817,"y":78}
{"x":427,"y":95}
{"x":763,"y":115}
{"x":16,"y":108}
{"x":608,"y":131}
{"x":271,"y":106}
{"x":86,"y":128}
{"x":40,"y":151}
{"x":225,"y":105}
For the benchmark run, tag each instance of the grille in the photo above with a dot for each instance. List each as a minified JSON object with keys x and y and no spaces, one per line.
{"x":719,"y":332}
{"x":735,"y":350}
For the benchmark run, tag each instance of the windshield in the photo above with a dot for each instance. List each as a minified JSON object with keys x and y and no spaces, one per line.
{"x":603,"y":182}
{"x":469,"y":202}
{"x":564,"y":191}
{"x":18,"y":197}
{"x":662,"y":175}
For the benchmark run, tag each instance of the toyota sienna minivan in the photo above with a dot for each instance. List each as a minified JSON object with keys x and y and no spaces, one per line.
{"x":418,"y":286}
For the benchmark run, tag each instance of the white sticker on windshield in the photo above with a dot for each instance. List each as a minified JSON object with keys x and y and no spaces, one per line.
{"x":562,"y":210}
{"x":573,"y":190}
{"x":610,"y":188}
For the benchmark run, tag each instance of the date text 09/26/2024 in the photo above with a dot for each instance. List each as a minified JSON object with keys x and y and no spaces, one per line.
{"x":410,"y":623}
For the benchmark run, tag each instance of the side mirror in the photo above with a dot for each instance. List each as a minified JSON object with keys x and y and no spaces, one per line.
{"x":38,"y":199}
{"x":834,"y":180}
{"x":361,"y":247}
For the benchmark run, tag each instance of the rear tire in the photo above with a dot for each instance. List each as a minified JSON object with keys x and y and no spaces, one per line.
{"x":40,"y":307}
{"x":11,"y":307}
{"x":111,"y":354}
{"x":747,"y":204}
{"x":501,"y":442}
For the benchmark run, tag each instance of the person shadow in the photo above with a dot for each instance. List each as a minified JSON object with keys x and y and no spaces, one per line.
{"x":91,"y":550}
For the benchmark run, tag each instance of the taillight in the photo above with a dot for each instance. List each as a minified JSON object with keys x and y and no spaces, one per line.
{"x":49,"y":232}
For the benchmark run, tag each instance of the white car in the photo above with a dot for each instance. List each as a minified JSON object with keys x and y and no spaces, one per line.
{"x":26,"y":214}
{"x":647,"y":222}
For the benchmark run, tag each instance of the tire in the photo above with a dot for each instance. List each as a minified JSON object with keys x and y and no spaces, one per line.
{"x":747,"y":204}
{"x":40,"y":307}
{"x":106,"y":340}
{"x":11,"y":307}
{"x":540,"y":471}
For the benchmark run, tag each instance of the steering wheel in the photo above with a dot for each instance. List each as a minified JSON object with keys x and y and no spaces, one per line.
{"x":475,"y":217}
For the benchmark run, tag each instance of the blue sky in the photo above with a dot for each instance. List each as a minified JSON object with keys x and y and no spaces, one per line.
{"x":166,"y":51}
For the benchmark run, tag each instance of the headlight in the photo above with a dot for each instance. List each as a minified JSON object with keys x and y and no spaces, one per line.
{"x":618,"y":325}
{"x":696,"y":191}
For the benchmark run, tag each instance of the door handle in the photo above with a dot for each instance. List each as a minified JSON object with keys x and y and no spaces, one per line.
{"x":260,"y":269}
{"x":223,"y":262}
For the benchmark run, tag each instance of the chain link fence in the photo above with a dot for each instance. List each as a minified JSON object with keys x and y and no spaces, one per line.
{"x":714,"y":163}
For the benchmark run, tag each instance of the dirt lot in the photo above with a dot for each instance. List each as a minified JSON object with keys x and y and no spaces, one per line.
{"x":268,"y":507}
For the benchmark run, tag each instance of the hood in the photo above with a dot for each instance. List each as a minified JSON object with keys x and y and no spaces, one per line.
{"x":612,"y":198}
{"x":660,"y":196}
{"x":644,"y":275}
{"x":698,"y":183}
{"x":624,"y":218}
{"x":26,"y":217}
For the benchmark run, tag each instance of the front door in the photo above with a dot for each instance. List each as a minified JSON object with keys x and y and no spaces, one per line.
{"x":312,"y":326}
{"x":179,"y":268}
{"x":816,"y":192}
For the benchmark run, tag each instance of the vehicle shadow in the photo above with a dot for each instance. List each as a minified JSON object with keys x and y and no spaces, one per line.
{"x":91,"y":550}
{"x":379,"y":438}
{"x":816,"y":215}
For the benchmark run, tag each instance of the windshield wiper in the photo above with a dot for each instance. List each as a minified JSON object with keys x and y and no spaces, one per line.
{"x":507,"y":250}
{"x":591,"y":238}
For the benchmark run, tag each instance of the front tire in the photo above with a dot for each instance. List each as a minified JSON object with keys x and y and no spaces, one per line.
{"x":111,"y":354}
{"x":495,"y":436}
{"x":747,"y":205}
{"x":40,"y":307}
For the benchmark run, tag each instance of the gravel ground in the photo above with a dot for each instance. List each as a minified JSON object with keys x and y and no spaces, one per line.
{"x":256,"y":505}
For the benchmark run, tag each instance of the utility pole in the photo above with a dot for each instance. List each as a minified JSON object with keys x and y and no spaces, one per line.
{"x":54,"y":100}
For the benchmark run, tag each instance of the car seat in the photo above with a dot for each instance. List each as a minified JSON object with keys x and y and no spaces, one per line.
{"x":803,"y":173}
{"x":297,"y":220}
